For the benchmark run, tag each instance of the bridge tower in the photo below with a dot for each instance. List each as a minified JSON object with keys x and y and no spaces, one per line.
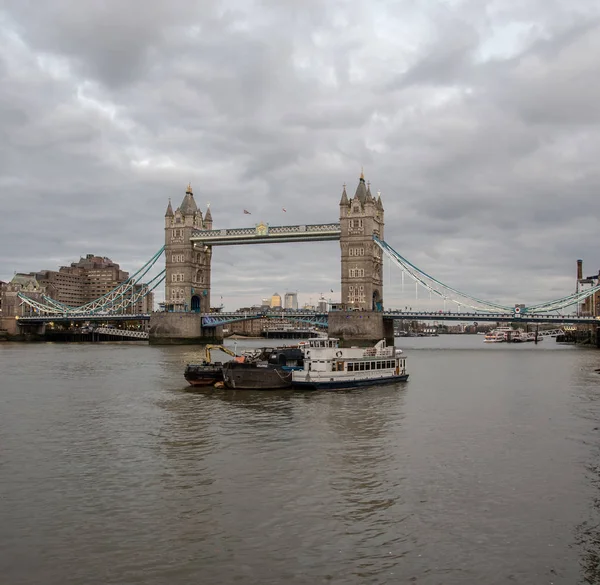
{"x":187,"y":281}
{"x":361,"y":217}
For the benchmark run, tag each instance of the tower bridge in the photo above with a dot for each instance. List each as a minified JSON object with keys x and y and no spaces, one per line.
{"x":188,"y":248}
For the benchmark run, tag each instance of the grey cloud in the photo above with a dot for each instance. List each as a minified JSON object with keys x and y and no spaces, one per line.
{"x":486,"y":164}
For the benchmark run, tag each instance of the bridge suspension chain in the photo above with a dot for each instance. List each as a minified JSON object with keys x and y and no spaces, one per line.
{"x":122,"y":296}
{"x":445,"y":291}
{"x":437,"y":287}
{"x":563,"y":302}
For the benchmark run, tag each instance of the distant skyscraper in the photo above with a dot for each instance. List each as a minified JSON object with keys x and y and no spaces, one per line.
{"x":291,"y":301}
{"x":275,"y":301}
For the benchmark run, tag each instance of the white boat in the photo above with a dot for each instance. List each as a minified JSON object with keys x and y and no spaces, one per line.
{"x":498,"y":335}
{"x":510,"y":335}
{"x":328,"y":366}
{"x":521,"y":336}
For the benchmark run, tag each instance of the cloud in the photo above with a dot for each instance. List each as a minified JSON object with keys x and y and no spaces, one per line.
{"x":478,"y":121}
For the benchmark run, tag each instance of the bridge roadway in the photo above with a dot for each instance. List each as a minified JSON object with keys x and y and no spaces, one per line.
{"x":263,"y":233}
{"x":320,"y":318}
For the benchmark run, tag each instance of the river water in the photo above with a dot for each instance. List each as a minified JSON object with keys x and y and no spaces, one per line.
{"x":483,"y":468}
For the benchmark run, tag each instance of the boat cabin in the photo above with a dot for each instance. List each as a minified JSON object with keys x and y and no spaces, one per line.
{"x":326,"y":365}
{"x":325,"y":355}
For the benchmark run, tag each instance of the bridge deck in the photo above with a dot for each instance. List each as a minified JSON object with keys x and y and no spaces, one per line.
{"x":216,"y":319}
{"x":264,"y":234}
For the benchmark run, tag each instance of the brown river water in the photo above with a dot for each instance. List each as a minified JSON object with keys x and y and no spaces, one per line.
{"x":483,"y":468}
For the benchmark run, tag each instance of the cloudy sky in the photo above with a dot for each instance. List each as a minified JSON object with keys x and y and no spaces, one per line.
{"x":477,"y":120}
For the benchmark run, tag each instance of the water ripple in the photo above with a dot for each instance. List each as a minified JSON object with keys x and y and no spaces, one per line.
{"x":482,"y":469}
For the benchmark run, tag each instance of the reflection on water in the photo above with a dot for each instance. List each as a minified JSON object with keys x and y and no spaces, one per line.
{"x":483,"y":468}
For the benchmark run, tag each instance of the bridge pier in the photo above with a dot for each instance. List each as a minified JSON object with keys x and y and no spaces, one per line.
{"x":181,"y":329}
{"x":362,"y":328}
{"x":18,"y":331}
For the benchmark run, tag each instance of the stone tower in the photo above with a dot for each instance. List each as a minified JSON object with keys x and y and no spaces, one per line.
{"x":187,"y":282}
{"x":361,"y":217}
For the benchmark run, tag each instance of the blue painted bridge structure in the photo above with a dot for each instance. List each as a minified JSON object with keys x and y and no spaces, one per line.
{"x":320,"y":319}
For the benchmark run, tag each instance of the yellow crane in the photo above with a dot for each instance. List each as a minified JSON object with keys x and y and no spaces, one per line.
{"x":218,"y":347}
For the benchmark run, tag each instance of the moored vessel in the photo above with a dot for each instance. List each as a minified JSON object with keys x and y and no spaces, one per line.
{"x":498,"y":335}
{"x":207,"y":372}
{"x":510,"y":335}
{"x":265,"y":369}
{"x":328,"y":366}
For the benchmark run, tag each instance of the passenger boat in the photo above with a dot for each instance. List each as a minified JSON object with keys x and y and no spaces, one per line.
{"x":328,"y":366}
{"x":510,"y":335}
{"x":269,"y":368}
{"x":498,"y":335}
{"x":207,"y":372}
{"x":520,"y":336}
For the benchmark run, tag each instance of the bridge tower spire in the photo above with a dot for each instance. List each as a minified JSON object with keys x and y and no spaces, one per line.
{"x":362,"y":265}
{"x":187,"y":282}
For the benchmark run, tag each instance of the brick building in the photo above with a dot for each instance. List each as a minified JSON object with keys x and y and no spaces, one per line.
{"x":591,"y":305}
{"x":82,"y":282}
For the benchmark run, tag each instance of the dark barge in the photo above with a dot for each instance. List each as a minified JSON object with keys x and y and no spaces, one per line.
{"x":266,"y":369}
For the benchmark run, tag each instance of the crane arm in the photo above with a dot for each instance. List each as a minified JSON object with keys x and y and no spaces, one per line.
{"x":220,"y":348}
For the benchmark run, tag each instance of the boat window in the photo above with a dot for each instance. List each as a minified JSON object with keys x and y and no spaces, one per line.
{"x":362,"y":366}
{"x":350,"y":367}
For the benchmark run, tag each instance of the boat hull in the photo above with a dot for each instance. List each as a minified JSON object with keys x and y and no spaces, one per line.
{"x":238,"y":376}
{"x":201,"y":375}
{"x":345,"y":384}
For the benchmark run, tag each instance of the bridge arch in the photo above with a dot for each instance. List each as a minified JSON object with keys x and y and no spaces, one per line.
{"x":377,"y":301}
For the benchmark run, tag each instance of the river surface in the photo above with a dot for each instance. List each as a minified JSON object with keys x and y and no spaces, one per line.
{"x":483,"y":468}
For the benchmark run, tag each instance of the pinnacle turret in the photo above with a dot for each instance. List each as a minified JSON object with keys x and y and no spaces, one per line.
{"x":344,"y":200}
{"x":169,"y":212}
{"x":188,"y":205}
{"x":361,"y":190}
{"x":208,"y":215}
